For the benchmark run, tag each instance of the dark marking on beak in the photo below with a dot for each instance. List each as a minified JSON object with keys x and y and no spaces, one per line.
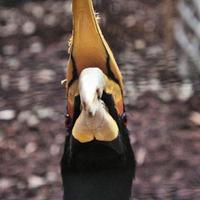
{"x":84,"y":105}
{"x":98,"y":93}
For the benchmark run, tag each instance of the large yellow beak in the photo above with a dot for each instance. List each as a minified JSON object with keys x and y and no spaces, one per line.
{"x":90,"y":49}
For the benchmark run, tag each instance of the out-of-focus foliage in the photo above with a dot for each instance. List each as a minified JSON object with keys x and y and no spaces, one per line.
{"x":187,"y":34}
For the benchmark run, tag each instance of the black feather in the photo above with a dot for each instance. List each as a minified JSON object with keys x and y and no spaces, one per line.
{"x":98,"y":170}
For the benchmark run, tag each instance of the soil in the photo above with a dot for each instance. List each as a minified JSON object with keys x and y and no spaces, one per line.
{"x":165,"y":134}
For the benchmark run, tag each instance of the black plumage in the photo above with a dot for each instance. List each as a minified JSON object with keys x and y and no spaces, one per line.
{"x":98,"y":170}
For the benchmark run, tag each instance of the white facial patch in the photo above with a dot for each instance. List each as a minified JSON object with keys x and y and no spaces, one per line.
{"x":91,"y":85}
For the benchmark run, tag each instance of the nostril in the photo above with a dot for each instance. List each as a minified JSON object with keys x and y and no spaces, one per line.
{"x":90,"y":113}
{"x":98,"y":93}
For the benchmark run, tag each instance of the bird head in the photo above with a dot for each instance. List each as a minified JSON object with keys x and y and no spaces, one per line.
{"x":94,"y":121}
{"x":92,"y":83}
{"x":88,"y":48}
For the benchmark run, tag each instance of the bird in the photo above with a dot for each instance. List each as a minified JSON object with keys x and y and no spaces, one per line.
{"x":98,"y":162}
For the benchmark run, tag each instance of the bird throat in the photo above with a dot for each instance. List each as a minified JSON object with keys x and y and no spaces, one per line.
{"x":101,"y":127}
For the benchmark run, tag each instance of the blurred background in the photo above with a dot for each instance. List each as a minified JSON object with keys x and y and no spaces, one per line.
{"x":157,"y":46}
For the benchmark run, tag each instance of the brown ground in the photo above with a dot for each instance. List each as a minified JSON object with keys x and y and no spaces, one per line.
{"x":165,"y":136}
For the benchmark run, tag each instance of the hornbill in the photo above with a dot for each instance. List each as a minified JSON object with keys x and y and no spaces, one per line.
{"x":98,"y":162}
